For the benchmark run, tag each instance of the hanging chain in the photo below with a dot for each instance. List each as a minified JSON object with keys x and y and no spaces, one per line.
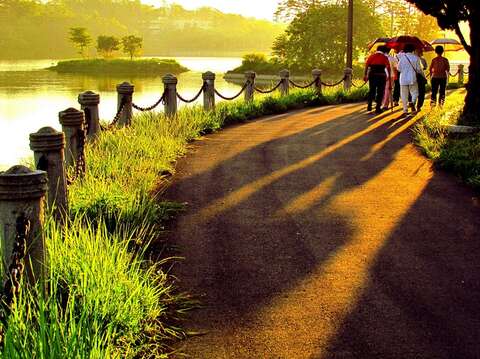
{"x":303,"y":86}
{"x":233,"y":97}
{"x":195,"y":98}
{"x":11,"y":287}
{"x":80,"y":163}
{"x":268,"y":91}
{"x":149,"y":108}
{"x":334,"y":84}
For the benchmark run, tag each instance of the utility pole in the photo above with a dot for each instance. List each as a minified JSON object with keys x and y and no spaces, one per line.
{"x":350,"y":35}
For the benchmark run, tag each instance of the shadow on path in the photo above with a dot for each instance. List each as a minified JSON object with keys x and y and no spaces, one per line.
{"x":289,"y":220}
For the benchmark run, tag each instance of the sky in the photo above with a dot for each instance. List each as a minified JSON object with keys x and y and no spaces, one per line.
{"x":262,"y":9}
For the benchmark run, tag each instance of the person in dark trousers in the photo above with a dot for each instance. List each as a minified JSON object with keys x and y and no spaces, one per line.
{"x":439,"y":69}
{"x":423,"y":83}
{"x":377,"y":70}
{"x":396,"y":81}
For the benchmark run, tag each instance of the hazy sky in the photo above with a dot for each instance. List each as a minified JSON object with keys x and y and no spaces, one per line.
{"x":262,"y":9}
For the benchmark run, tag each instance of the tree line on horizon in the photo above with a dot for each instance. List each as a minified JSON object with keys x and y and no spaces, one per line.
{"x":39,"y":29}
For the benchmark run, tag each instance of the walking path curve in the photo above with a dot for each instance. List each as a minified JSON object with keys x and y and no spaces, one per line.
{"x":324,"y":233}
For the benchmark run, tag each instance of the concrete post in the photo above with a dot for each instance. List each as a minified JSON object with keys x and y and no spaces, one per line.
{"x":48,"y":150}
{"x":22,"y":193}
{"x":89,"y":103}
{"x":72,"y":122}
{"x":170,"y":86}
{"x":285,"y":86}
{"x":347,"y":83}
{"x":250,"y":89}
{"x":209,"y":91}
{"x":317,"y":75}
{"x":461,"y":74}
{"x":125,"y":93}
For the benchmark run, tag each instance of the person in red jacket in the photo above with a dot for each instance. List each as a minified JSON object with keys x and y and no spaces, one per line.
{"x":377,"y":72}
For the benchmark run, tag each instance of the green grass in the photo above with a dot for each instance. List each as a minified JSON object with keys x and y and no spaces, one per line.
{"x":105,"y":298}
{"x":457,"y":154}
{"x":151,"y":67}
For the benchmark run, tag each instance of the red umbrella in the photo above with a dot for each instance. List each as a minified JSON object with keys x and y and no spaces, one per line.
{"x":382,"y":40}
{"x":399,"y":42}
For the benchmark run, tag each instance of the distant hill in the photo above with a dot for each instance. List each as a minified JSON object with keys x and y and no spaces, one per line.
{"x":32,"y":29}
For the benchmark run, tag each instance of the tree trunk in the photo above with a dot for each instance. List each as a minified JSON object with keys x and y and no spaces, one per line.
{"x":472,"y":101}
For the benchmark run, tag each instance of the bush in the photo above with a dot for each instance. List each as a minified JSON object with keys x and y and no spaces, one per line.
{"x":460,"y":155}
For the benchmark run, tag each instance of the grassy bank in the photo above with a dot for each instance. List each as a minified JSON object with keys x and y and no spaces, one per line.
{"x":153,"y":67}
{"x":457,"y":154}
{"x":260,"y":64}
{"x":107,"y":297}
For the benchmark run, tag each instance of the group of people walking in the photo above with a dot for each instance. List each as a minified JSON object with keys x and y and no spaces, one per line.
{"x":402,"y":76}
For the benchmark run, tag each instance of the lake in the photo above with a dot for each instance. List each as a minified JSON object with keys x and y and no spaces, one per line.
{"x":31,"y":97}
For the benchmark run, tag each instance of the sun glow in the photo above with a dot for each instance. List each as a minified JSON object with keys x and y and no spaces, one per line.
{"x":251,"y":8}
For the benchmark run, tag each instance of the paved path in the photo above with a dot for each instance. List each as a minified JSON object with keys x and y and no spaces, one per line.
{"x":325,"y":234}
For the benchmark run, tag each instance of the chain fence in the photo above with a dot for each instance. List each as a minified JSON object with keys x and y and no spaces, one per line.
{"x":359,"y":86}
{"x":80,"y":163}
{"x":195,"y":98}
{"x":233,"y":97}
{"x":115,"y":120}
{"x":305,"y":86}
{"x":259,"y":90}
{"x":152,"y":107}
{"x":11,"y":287}
{"x":335,"y":83}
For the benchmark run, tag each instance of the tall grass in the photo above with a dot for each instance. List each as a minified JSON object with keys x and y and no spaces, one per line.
{"x":460,"y":155}
{"x":102,"y":298}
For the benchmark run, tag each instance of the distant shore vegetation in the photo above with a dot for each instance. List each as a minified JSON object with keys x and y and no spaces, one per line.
{"x":154,"y":67}
{"x":33,"y":29}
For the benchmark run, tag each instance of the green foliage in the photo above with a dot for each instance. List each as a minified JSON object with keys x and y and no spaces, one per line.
{"x":132,"y":45}
{"x":102,"y":301}
{"x":460,"y":155}
{"x":106,"y":45}
{"x":151,"y":67}
{"x":167,"y":30}
{"x":123,"y":165}
{"x":80,"y":38}
{"x":314,"y":39}
{"x":449,"y":14}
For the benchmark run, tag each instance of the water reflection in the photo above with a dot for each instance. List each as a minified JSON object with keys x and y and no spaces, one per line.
{"x":31,"y":98}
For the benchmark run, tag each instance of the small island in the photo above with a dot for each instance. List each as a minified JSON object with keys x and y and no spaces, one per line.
{"x":151,"y":67}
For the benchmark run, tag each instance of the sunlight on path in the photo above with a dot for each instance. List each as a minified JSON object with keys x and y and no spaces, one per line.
{"x":248,"y":190}
{"x":332,"y":290}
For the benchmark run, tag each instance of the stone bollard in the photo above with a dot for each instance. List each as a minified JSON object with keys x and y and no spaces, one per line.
{"x":125,"y":96}
{"x":250,"y":89}
{"x":285,"y":79}
{"x":209,"y":91}
{"x":347,"y":83}
{"x":89,"y":103}
{"x":317,"y":76}
{"x":22,"y":194}
{"x":72,"y":122}
{"x":170,"y":86}
{"x":48,"y":150}
{"x":461,"y":74}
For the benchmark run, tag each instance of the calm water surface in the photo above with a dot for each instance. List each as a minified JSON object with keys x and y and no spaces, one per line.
{"x":31,"y":97}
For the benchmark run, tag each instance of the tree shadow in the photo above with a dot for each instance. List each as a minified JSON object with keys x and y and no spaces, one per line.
{"x":262,"y":214}
{"x":424,"y":287}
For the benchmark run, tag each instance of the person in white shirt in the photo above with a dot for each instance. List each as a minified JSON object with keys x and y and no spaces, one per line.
{"x":408,"y":66}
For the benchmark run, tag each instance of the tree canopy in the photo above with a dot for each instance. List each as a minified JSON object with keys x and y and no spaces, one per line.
{"x":315,"y":39}
{"x":449,"y":14}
